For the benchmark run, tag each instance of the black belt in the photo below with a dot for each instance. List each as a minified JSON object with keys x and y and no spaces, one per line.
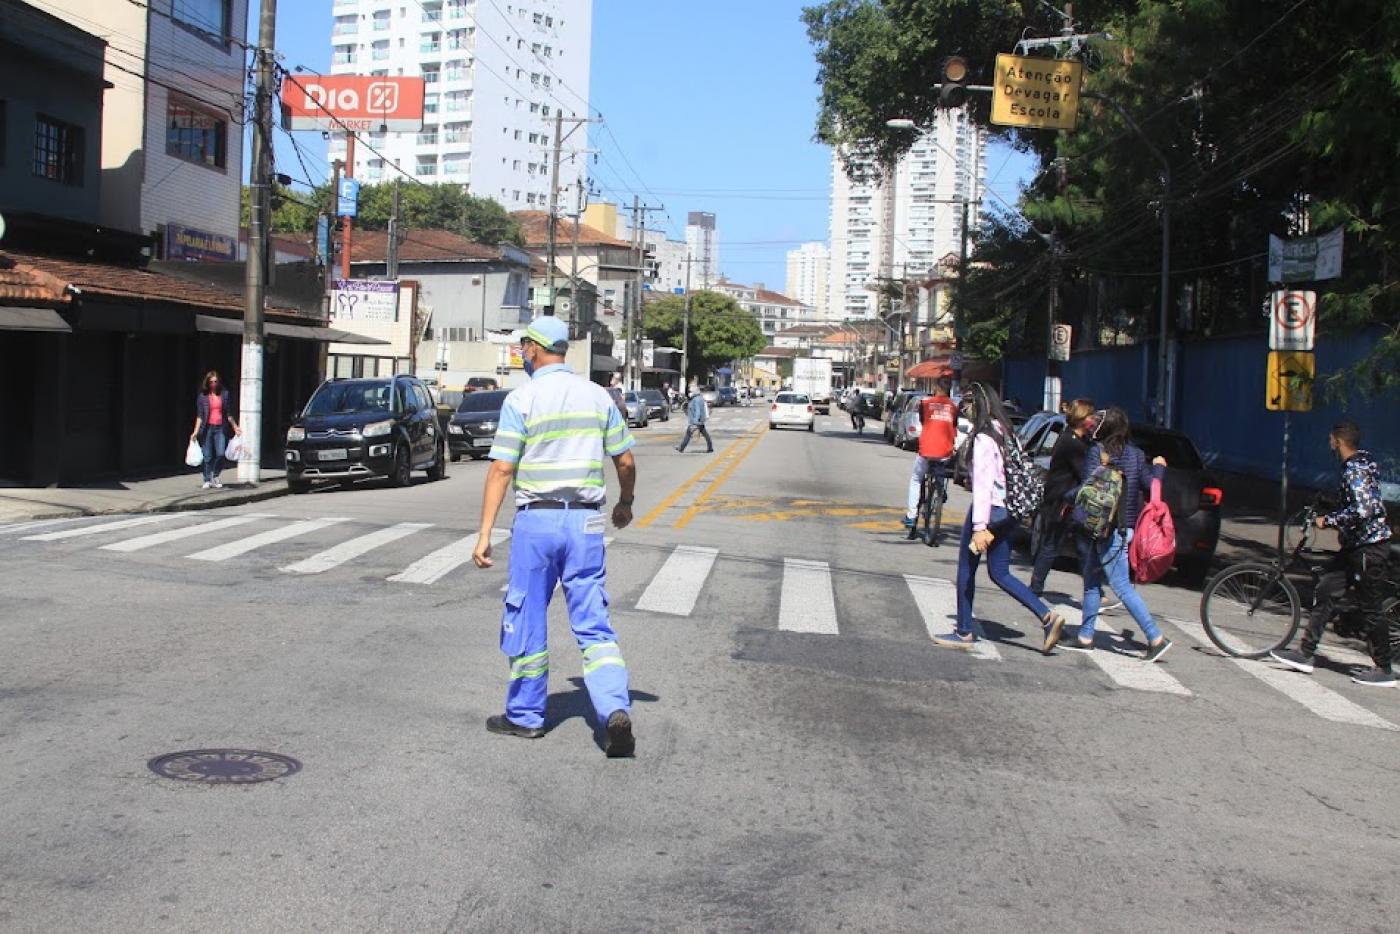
{"x":559,"y":504}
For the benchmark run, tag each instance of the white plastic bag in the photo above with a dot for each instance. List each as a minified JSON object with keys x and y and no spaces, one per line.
{"x":194,"y":454}
{"x":233,"y":453}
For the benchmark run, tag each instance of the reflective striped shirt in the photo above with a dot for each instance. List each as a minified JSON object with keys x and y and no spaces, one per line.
{"x":557,"y":429}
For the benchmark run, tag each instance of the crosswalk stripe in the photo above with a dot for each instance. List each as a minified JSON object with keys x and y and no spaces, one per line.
{"x":807,"y":601}
{"x":1129,"y":671}
{"x":676,"y":587}
{"x":354,"y":548}
{"x":15,"y":528}
{"x":106,"y":527}
{"x":431,"y":568}
{"x":175,"y":535}
{"x":1326,"y":703}
{"x":937,"y":600}
{"x":270,"y":537}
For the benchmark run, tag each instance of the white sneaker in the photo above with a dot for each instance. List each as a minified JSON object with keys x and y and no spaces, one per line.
{"x":218,"y":484}
{"x":205,"y":486}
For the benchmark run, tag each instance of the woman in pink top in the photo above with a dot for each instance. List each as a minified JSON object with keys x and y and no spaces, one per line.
{"x":988,"y":527}
{"x":213,"y":417}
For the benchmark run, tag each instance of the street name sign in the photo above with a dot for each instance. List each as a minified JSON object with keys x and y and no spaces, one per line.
{"x":1060,"y":336}
{"x":352,"y":102}
{"x":1036,"y":92}
{"x":1306,"y":259}
{"x":1293,"y":321}
{"x":1289,"y":385}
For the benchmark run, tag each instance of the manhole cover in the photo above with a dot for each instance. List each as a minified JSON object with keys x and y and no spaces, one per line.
{"x":224,"y":766}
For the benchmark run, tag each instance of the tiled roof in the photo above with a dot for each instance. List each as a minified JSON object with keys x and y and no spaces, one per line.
{"x":419,"y":246}
{"x":775,"y":298}
{"x":802,"y":329}
{"x":777,"y":352}
{"x":535,"y":226}
{"x":112,"y":280}
{"x":29,"y":286}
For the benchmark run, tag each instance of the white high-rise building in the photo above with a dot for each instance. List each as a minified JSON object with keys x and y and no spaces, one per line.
{"x":702,"y":240}
{"x":808,"y":276}
{"x":902,"y":223}
{"x":496,"y":73}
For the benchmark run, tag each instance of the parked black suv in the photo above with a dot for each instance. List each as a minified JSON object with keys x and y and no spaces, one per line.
{"x":472,"y":430}
{"x":357,"y":428}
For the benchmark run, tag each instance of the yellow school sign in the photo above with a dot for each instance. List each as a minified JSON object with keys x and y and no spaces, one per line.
{"x":1036,"y":92}
{"x":1290,"y":381}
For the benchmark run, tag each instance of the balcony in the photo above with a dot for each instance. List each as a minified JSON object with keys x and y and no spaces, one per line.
{"x":343,"y":58}
{"x":379,"y":55}
{"x":427,"y":139}
{"x":345,"y":29}
{"x":431,"y":77}
{"x":381,"y":24}
{"x":430,"y":47}
{"x":427,"y":168}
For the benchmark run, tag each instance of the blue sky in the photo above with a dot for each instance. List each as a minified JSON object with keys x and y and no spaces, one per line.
{"x":711,"y":108}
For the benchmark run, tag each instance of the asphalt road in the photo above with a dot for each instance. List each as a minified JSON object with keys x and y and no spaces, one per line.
{"x":807,"y":759}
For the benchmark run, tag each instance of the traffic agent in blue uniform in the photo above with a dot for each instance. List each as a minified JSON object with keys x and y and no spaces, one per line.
{"x":551,"y":440}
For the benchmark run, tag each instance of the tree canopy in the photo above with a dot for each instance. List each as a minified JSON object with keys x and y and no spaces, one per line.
{"x":720,"y":330}
{"x":1274,"y":118}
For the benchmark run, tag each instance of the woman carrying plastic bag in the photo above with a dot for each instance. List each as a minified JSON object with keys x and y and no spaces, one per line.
{"x":213,"y":417}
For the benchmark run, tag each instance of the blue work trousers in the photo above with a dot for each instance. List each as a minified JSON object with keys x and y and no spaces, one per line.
{"x":1000,"y":525}
{"x":1109,"y":558}
{"x":549,"y":547}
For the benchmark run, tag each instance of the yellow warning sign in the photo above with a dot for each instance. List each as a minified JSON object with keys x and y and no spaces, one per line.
{"x":1289,"y":386}
{"x":1036,"y":92}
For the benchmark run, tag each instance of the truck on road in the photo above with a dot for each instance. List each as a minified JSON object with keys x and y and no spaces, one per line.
{"x":812,"y":376}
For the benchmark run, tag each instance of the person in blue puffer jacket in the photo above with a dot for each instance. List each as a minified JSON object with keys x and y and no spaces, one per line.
{"x":1109,"y":557}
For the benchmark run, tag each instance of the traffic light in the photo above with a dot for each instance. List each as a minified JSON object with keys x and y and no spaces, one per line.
{"x":955,"y":74}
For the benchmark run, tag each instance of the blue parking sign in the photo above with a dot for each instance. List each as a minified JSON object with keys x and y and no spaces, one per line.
{"x":349,"y":197}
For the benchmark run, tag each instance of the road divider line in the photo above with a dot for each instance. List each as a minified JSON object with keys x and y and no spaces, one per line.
{"x":677,"y":586}
{"x":262,"y":539}
{"x":681,"y":490}
{"x":175,"y":535}
{"x":354,"y":548}
{"x":807,"y":603}
{"x":106,"y":527}
{"x":718,"y":482}
{"x":937,"y":600}
{"x":432,"y":567}
{"x":1128,"y":671}
{"x":1297,"y":687}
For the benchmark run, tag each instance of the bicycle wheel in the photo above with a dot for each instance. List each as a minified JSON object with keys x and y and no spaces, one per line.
{"x":1249,"y":610}
{"x":935,"y":523}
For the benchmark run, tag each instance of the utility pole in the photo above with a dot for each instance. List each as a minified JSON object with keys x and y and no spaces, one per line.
{"x":685,"y":331}
{"x":345,"y":221}
{"x":250,"y":389}
{"x":336,"y":166}
{"x":554,"y":206}
{"x":391,"y":261}
{"x":573,"y":275}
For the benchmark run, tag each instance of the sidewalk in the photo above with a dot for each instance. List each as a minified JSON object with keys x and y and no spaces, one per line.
{"x":177,"y":493}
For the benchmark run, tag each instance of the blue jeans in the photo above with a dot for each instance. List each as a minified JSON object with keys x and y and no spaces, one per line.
{"x":213,"y":445}
{"x":998,"y":567}
{"x":1110,"y":558}
{"x":691,"y":429}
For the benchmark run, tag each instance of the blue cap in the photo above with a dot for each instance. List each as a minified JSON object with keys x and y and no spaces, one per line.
{"x":550,"y":333}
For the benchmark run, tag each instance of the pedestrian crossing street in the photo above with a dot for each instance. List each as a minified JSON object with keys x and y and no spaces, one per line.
{"x":684,"y":582}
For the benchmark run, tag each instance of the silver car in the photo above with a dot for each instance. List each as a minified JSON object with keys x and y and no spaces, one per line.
{"x":636,"y":410}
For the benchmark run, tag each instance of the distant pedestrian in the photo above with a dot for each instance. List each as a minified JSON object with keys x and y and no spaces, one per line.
{"x":213,"y":417}
{"x":697,"y":413}
{"x":552,"y":437}
{"x":988,"y":527}
{"x":1062,"y":479}
{"x":857,"y":407}
{"x":1107,"y":557}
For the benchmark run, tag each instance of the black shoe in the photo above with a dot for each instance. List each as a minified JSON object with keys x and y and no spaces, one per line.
{"x":1155,"y":652}
{"x":1298,"y":661}
{"x":500,"y":723}
{"x":619,"y":743}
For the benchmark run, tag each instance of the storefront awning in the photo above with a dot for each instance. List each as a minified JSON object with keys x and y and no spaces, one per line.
{"x":602,"y":363}
{"x":305,"y":332}
{"x":33,"y":319}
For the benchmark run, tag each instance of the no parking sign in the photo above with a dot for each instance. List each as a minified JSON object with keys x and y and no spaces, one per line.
{"x":1292,"y":321}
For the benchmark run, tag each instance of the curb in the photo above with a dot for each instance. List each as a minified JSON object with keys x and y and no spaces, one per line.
{"x":234,"y":497}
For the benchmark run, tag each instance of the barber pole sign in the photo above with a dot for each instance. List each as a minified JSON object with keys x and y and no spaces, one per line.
{"x":352,"y":102}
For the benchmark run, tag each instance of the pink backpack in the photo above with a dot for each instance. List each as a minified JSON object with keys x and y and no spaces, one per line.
{"x":1153,"y":548}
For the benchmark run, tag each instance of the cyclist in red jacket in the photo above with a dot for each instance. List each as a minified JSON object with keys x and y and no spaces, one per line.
{"x":938,"y":416}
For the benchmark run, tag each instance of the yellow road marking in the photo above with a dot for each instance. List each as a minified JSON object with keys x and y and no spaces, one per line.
{"x":689,"y":514}
{"x":681,"y":490}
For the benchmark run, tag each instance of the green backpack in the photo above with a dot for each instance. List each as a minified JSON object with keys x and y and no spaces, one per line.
{"x":1096,"y":503}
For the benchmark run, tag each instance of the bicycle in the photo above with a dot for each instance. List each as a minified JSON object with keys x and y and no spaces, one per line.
{"x":1251,"y":609}
{"x":933,"y":494}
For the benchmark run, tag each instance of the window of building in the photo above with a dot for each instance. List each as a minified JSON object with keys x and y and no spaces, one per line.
{"x":58,"y":150}
{"x":209,"y":16}
{"x":195,"y":135}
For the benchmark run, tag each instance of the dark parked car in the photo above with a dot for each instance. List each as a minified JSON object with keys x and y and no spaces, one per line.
{"x":482,"y":382}
{"x":472,"y":430}
{"x":728,"y":395}
{"x":1188,"y":490}
{"x":358,"y":428}
{"x":657,"y":406}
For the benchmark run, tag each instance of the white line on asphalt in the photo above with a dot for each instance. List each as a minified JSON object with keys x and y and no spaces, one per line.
{"x":106,"y":527}
{"x":271,"y":537}
{"x":937,"y":600}
{"x":1129,"y":671}
{"x":354,"y":548}
{"x":807,"y":602}
{"x":1326,"y":703}
{"x":14,"y":528}
{"x":676,"y":587}
{"x":174,"y":535}
{"x":431,"y":568}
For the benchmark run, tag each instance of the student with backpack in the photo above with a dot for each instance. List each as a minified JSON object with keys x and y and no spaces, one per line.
{"x":1106,"y":508}
{"x":989,"y":524}
{"x":1066,"y":469}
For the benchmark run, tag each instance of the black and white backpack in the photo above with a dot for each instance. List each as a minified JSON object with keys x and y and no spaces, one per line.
{"x":1025,"y":480}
